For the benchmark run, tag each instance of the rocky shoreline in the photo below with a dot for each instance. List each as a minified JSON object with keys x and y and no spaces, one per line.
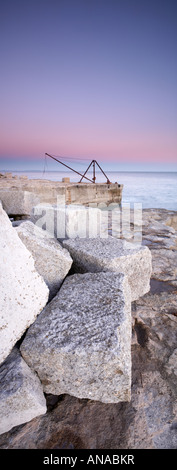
{"x":149,"y":419}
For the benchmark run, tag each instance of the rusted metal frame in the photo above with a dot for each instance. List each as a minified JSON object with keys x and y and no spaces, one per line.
{"x":94,"y":177}
{"x":108,"y":182}
{"x":93,"y":162}
{"x":83,"y":176}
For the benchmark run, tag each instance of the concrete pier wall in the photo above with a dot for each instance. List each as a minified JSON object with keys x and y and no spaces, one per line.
{"x":19,"y":196}
{"x":96,"y":193}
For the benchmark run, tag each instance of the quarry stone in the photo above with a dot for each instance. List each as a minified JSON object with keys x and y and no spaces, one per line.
{"x":81,"y":343}
{"x":117,"y":255}
{"x":52,"y":261}
{"x":149,"y":421}
{"x":23,"y":291}
{"x":70,"y":221}
{"x":18,"y":202}
{"x":21,"y":394}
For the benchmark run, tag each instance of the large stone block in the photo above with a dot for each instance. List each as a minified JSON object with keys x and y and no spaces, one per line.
{"x":18,"y":202}
{"x":81,"y":343}
{"x":62,"y":221}
{"x":111,"y":254}
{"x":21,"y":394}
{"x":52,"y":261}
{"x":23,"y":293}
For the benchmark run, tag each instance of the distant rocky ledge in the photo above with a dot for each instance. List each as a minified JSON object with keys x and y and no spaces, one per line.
{"x":88,"y":338}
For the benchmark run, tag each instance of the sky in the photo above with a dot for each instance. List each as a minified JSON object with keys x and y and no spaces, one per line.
{"x":90,"y":79}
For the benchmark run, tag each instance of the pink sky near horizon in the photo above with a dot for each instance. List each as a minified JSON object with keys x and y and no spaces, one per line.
{"x":24,"y":144}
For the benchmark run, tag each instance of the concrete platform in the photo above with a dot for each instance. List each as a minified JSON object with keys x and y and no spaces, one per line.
{"x":45,"y":191}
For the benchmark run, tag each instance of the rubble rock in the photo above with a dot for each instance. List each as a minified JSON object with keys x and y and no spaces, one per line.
{"x":111,"y":254}
{"x":23,"y":291}
{"x":149,"y":420}
{"x":80,"y":344}
{"x":52,"y":261}
{"x":21,"y":394}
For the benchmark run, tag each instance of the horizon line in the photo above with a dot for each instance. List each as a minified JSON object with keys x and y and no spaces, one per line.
{"x":89,"y":171}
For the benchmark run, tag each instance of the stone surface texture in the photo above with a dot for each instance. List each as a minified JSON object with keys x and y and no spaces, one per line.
{"x":23,"y":291}
{"x":149,"y":420}
{"x":81,"y":342}
{"x":52,"y":261}
{"x":70,"y":221}
{"x":73,"y":193}
{"x":111,"y":254}
{"x":21,"y":394}
{"x":18,"y":202}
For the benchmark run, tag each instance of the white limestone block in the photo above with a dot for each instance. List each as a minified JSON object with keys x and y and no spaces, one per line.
{"x":23,"y":293}
{"x":18,"y":202}
{"x":117,"y":255}
{"x":70,"y":221}
{"x":52,"y":261}
{"x":81,"y":343}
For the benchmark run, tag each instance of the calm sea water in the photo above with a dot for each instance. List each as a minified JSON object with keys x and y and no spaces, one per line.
{"x":152,"y":190}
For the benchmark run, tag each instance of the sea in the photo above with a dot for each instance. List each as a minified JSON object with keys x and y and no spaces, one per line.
{"x":151,"y":189}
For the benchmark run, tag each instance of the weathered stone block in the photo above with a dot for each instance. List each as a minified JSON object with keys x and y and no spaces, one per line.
{"x":111,"y":254}
{"x":21,"y":394}
{"x":62,"y":221}
{"x":18,"y":202}
{"x":23,"y":293}
{"x":81,"y":343}
{"x":52,"y":261}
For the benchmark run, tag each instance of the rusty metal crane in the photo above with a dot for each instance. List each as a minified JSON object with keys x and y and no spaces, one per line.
{"x":92,"y":164}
